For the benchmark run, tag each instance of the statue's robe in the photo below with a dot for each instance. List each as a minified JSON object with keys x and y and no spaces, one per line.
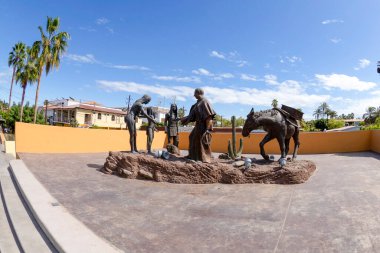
{"x":200,"y":137}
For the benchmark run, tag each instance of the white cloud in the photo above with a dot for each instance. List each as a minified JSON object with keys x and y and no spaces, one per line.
{"x":271,"y":79}
{"x":129,"y":67}
{"x":247,"y":77}
{"x":363,"y":63}
{"x":294,"y":59}
{"x":6,"y":76}
{"x":222,"y":76}
{"x":185,"y":79}
{"x":87,"y":28}
{"x":205,"y":72}
{"x":233,"y":56}
{"x":102,"y":21}
{"x":288,"y":92}
{"x":217,"y":55}
{"x":290,"y":59}
{"x":88,"y":58}
{"x":202,"y":72}
{"x":344,"y":82}
{"x":110,"y":30}
{"x":242,"y":63}
{"x":335,"y":40}
{"x":226,"y":75}
{"x":331,"y":21}
{"x":357,"y":105}
{"x":180,"y":92}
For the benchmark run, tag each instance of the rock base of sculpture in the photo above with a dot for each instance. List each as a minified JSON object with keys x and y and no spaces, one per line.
{"x":183,"y":171}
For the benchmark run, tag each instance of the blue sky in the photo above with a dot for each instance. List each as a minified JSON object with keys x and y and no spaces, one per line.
{"x":243,"y":53}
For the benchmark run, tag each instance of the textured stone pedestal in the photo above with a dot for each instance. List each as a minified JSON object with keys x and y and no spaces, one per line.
{"x":182,"y":171}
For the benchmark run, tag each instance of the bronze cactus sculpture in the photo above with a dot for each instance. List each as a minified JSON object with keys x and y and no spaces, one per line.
{"x":232,"y":153}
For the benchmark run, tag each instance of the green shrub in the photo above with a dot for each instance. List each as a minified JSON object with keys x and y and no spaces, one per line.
{"x":13,"y":115}
{"x":374,"y":126}
{"x":321,"y":124}
{"x":308,"y":126}
{"x":334,"y":123}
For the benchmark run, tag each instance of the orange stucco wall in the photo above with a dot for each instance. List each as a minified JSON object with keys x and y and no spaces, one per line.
{"x":32,"y":138}
{"x":52,"y":139}
{"x":375,"y":141}
{"x":311,"y":143}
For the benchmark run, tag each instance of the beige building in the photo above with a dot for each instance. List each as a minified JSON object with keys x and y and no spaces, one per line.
{"x":159,"y":112}
{"x":88,"y":114}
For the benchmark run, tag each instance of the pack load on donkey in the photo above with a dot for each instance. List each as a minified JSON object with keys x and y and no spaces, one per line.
{"x":293,"y":116}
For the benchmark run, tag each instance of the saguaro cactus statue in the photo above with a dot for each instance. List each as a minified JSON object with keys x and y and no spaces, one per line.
{"x":232,"y":146}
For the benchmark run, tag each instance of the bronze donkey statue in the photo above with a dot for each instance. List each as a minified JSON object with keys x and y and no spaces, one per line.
{"x":278,"y":124}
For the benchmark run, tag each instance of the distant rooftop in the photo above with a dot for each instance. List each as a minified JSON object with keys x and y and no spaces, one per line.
{"x":70,"y":103}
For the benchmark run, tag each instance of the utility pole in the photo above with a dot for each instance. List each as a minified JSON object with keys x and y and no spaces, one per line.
{"x":46,"y":107}
{"x":129,"y":101}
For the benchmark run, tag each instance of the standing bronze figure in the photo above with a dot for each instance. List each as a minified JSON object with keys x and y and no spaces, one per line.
{"x":171,"y":125}
{"x":202,"y":114}
{"x":134,"y":113}
{"x":150,"y":128}
{"x":278,"y":124}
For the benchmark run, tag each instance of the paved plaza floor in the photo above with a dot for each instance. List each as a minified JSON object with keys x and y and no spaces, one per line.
{"x":337,"y":210}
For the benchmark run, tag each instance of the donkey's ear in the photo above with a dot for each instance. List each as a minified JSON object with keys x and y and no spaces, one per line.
{"x":252,"y":110}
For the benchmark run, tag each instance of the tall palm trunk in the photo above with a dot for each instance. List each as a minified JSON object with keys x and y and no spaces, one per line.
{"x":10,"y":92}
{"x":22,"y":102}
{"x":36,"y":100}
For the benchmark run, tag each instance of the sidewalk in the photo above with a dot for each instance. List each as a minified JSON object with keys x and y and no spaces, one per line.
{"x":335,"y":211}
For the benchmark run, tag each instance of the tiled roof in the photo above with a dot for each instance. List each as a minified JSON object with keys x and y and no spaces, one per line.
{"x":90,"y":108}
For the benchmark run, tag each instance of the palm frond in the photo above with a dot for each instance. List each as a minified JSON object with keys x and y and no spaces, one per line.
{"x":52,"y":26}
{"x":43,"y":36}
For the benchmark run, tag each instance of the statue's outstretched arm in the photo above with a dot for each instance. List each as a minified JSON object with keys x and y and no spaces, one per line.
{"x":148,"y":117}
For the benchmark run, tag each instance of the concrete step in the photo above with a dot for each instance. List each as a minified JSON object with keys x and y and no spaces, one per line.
{"x":66,"y":233}
{"x":7,"y":239}
{"x":26,"y":233}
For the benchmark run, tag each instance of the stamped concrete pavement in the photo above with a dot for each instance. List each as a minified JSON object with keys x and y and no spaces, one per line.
{"x":335,"y":211}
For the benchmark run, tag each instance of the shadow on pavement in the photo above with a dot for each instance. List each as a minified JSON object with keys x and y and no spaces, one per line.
{"x":368,"y":154}
{"x":96,"y":166}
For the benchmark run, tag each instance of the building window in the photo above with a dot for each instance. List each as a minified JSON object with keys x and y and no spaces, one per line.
{"x":99,"y":116}
{"x":113,"y":117}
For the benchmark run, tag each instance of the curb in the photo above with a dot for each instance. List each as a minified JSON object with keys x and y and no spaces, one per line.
{"x":65,"y":232}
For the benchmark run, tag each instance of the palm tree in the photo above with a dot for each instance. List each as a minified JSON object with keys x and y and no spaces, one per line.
{"x":369,"y":111}
{"x":16,"y":57}
{"x":333,"y":114}
{"x":274,"y":103}
{"x":317,"y":113}
{"x":27,"y":73}
{"x":48,"y":51}
{"x":324,"y":107}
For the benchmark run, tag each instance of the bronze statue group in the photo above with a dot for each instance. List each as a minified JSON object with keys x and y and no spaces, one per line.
{"x":281,"y":124}
{"x":201,"y":113}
